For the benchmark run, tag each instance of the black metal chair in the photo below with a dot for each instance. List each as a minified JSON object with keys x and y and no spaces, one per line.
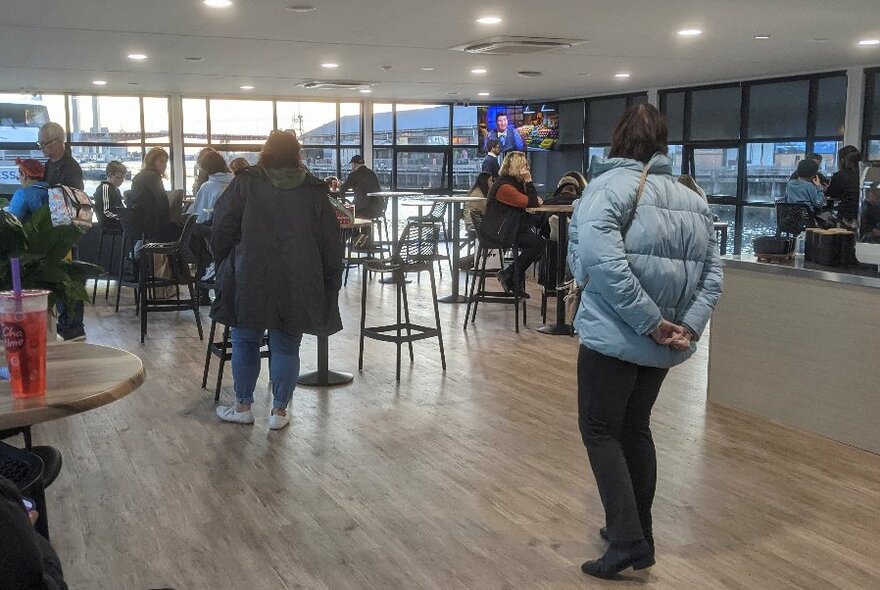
{"x":414,"y":252}
{"x":221,"y":350}
{"x":180,"y":273}
{"x":128,"y":276}
{"x":437,"y":214}
{"x":477,"y":291}
{"x":793,"y":218}
{"x":25,"y":470}
{"x":113,"y":229}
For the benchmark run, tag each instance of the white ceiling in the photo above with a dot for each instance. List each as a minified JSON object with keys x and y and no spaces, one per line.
{"x":62,"y":45}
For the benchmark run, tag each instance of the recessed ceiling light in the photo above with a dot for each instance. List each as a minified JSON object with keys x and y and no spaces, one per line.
{"x":478,"y":71}
{"x":453,"y":93}
{"x":137,"y":56}
{"x":194,"y":58}
{"x":330,"y":65}
{"x":482,"y":94}
{"x":762,"y":37}
{"x":246,"y":87}
{"x":301,"y":8}
{"x":690,"y":32}
{"x":217,"y":3}
{"x":622,"y":75}
{"x":365,"y":91}
{"x":99,"y":82}
{"x":869,"y":42}
{"x":427,"y":69}
{"x":489,"y":20}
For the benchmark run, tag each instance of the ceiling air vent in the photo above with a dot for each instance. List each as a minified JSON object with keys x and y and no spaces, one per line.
{"x":334,"y":85}
{"x":517,"y":45}
{"x":529,"y":74}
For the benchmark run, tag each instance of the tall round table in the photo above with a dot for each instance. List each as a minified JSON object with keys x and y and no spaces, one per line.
{"x":561,"y":327}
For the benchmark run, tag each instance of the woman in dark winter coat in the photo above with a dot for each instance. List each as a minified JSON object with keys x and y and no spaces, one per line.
{"x":149,"y":200}
{"x":279,"y":268}
{"x":506,"y":222}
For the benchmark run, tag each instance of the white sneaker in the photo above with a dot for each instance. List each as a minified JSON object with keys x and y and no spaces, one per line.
{"x":228,"y":414}
{"x":277,"y":421}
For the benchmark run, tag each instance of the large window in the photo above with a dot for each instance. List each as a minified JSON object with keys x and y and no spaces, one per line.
{"x":602,"y":115}
{"x":741,"y":142}
{"x":426,"y":147}
{"x":872,"y":114}
{"x":239,"y":128}
{"x":20,"y":119}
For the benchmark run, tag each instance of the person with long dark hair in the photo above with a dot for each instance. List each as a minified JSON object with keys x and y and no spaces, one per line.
{"x":279,"y":269}
{"x":845,"y":184}
{"x":648,"y":247}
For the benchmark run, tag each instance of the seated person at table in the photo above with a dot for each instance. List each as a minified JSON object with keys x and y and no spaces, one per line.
{"x":363,"y":181}
{"x":27,"y":560}
{"x":490,"y":162}
{"x":213,"y":164}
{"x":34,"y":192}
{"x":506,"y":222}
{"x":823,"y":180}
{"x":845,"y":184}
{"x":806,"y":189}
{"x":149,"y":200}
{"x":239,"y":165}
{"x":568,"y":190}
{"x":108,"y":199}
{"x":482,"y":184}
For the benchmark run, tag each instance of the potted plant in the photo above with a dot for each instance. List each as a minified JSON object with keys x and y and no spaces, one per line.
{"x":44,"y":254}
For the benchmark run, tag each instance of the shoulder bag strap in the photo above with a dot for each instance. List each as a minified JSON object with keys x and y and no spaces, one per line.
{"x":632,"y":214}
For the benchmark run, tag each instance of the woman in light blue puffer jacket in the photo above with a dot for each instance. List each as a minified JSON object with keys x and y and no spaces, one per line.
{"x":645,"y":247}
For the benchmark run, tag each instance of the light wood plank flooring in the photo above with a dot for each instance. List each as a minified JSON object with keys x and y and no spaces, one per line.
{"x":475,"y":478}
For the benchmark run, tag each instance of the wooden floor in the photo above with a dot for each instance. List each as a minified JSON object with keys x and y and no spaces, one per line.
{"x":475,"y":478}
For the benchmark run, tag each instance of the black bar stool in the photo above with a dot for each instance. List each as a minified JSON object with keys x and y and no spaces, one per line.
{"x":477,"y":291}
{"x":415,"y":252}
{"x":112,"y":229}
{"x":223,"y":352}
{"x":180,"y":273}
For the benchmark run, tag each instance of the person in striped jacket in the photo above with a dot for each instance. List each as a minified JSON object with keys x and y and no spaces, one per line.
{"x":107,"y":197}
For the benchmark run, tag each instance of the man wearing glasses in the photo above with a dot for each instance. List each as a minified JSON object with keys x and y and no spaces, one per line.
{"x":63,"y":169}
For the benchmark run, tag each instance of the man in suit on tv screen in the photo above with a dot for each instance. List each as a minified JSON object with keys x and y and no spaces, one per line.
{"x":508,"y":138}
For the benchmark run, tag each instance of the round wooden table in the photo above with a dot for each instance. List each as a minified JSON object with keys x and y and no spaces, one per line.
{"x":79,"y":377}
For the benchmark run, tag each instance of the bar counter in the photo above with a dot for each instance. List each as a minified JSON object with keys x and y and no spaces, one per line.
{"x":800,"y":344}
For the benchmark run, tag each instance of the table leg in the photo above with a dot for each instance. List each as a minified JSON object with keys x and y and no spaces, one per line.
{"x":456,"y":237}
{"x":392,"y":280}
{"x":560,"y":328}
{"x":324,"y":376}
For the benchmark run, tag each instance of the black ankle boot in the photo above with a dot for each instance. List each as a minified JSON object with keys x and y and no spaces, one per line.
{"x":638,"y":555}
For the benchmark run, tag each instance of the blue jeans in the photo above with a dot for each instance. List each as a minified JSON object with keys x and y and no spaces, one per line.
{"x":283,"y":364}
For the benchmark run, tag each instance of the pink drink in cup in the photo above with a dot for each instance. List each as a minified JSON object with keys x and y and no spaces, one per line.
{"x":23,"y":323}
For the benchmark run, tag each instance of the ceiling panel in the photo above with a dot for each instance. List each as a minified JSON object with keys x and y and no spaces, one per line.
{"x":62,"y":45}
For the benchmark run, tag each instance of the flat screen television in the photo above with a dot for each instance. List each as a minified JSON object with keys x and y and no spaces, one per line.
{"x":520,"y":127}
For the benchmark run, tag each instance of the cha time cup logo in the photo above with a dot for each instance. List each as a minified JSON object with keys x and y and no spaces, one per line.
{"x":13,"y":337}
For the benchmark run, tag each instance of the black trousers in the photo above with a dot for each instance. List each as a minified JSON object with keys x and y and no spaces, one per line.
{"x":531,"y":250}
{"x":614,"y":413}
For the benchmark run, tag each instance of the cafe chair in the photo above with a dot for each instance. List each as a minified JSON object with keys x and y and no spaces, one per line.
{"x":180,"y":274}
{"x":793,"y":218}
{"x":437,"y":214}
{"x":477,"y":291}
{"x":415,"y":253}
{"x":25,"y":470}
{"x":222,"y":350}
{"x":128,"y":260}
{"x":111,"y":229}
